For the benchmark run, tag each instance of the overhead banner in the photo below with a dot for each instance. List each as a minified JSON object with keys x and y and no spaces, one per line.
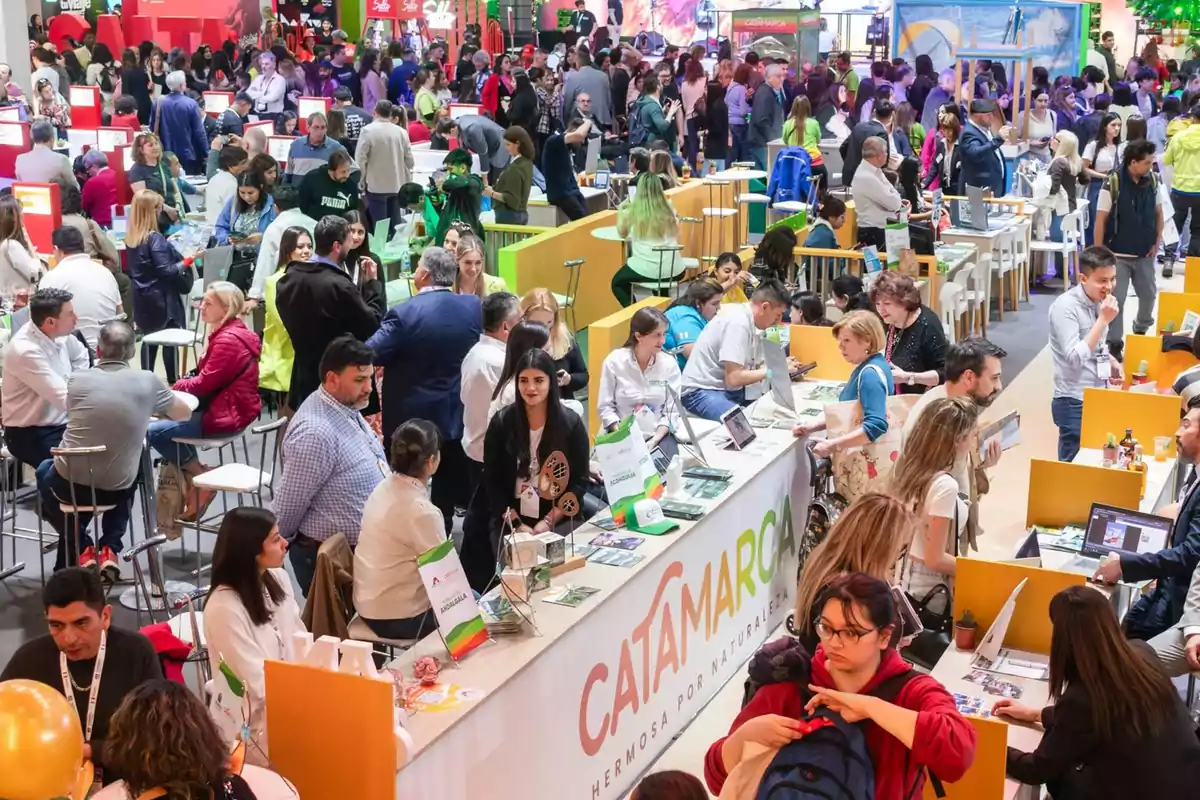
{"x":601,"y":701}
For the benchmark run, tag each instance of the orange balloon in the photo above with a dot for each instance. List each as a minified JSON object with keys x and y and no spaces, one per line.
{"x":41,"y":743}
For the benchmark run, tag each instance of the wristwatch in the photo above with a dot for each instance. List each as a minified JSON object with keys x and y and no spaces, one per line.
{"x":912,"y":379}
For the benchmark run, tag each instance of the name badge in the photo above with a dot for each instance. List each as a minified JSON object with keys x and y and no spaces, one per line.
{"x":530,"y":504}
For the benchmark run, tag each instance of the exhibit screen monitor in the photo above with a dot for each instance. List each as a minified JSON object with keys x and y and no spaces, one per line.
{"x":789,"y":34}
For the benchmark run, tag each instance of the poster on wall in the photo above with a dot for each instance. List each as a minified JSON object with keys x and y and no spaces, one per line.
{"x":1050,"y":30}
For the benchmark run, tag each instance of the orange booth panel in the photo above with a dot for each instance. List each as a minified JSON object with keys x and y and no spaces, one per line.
{"x":41,"y":205}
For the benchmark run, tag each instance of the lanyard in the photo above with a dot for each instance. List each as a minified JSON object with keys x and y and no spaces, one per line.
{"x":93,"y":690}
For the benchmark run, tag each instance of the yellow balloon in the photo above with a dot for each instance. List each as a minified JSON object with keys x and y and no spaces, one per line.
{"x":41,"y":743}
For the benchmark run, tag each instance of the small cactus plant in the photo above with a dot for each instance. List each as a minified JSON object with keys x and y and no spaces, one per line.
{"x":967,"y":620}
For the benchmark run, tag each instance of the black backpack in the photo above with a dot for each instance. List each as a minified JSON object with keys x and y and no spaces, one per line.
{"x":108,"y":79}
{"x":831,"y":762}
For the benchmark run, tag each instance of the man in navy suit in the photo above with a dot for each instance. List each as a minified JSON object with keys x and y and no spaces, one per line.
{"x":979,"y":149}
{"x":1159,"y":610}
{"x":421,"y":345}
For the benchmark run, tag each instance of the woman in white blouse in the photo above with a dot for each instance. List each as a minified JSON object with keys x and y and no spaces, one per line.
{"x":1100,"y":158}
{"x":251,"y":612}
{"x":399,"y":523}
{"x":923,"y":480}
{"x":635,"y":378}
{"x":19,"y":268}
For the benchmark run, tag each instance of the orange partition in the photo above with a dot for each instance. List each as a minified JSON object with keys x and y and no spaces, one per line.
{"x":811,"y":343}
{"x":1161,"y":368}
{"x":305,"y":705}
{"x":1061,"y":493}
{"x":983,"y":587}
{"x":1108,"y":411}
{"x":985,"y":779}
{"x":1191,"y":275}
{"x":1171,"y":308}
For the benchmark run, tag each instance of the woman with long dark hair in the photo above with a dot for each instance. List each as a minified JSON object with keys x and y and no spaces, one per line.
{"x":525,"y":335}
{"x":251,"y":613}
{"x":278,"y":355}
{"x":716,"y":125}
{"x":20,"y":269}
{"x":523,"y":109}
{"x":496,"y":89}
{"x":1116,"y":728}
{"x":374,"y":88}
{"x":191,"y":755}
{"x":1100,"y":157}
{"x":521,"y":439}
{"x":635,"y":378}
{"x":246,"y":216}
{"x":357,"y":245}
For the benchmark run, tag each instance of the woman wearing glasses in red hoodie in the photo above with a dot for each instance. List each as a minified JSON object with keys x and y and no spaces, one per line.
{"x":856,"y":665}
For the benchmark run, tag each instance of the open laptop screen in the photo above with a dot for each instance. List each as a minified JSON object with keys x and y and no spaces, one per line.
{"x":1118,"y":530}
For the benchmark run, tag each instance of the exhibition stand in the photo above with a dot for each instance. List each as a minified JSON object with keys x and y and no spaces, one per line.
{"x":1191,"y":275}
{"x":41,"y":206}
{"x":1161,"y":368}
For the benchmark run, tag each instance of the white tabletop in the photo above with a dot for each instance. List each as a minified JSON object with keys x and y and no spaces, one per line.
{"x":739,"y":175}
{"x":1160,"y":478}
{"x":609,"y":233}
{"x":189,"y":400}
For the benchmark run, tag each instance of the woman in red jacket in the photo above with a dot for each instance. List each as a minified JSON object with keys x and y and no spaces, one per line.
{"x":920,"y":729}
{"x":497,"y":90}
{"x":226,"y":383}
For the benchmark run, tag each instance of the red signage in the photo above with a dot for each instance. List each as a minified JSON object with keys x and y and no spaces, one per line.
{"x":41,"y":205}
{"x":394,"y":9}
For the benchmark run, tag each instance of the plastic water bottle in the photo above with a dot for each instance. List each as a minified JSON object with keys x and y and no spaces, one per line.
{"x":674,"y":477}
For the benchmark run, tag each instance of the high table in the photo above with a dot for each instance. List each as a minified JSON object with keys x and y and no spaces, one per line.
{"x":543,"y":214}
{"x":583,"y":707}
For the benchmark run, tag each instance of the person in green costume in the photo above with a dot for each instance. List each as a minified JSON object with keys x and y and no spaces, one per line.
{"x":464,"y":193}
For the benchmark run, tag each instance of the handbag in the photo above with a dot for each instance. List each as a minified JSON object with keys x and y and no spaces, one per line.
{"x":927,"y":647}
{"x":856,"y":470}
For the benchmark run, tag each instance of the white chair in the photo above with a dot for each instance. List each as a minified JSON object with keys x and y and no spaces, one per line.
{"x":960,"y":278}
{"x":787,"y":208}
{"x":1023,"y":230}
{"x":1072,"y":229}
{"x":748,"y":199}
{"x":948,"y":302}
{"x":1004,"y":264}
{"x":980,"y":294}
{"x":182,"y":339}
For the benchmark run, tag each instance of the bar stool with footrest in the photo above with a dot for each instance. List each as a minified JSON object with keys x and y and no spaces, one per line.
{"x":666,"y":284}
{"x":73,"y":508}
{"x":566,"y":302}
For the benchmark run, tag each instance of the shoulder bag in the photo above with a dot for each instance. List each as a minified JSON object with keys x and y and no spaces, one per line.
{"x":856,"y":470}
{"x":935,"y":610}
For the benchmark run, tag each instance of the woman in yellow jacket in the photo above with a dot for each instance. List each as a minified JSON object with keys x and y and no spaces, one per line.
{"x":275,"y":363}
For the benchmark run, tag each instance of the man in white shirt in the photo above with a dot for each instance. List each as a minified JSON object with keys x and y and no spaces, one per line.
{"x":874,"y":196}
{"x":287,"y":200}
{"x":481,"y":371}
{"x":38,"y":360}
{"x":268,"y":89}
{"x":97,"y":297}
{"x":385,"y":160}
{"x":222,"y":188}
{"x":726,"y":359}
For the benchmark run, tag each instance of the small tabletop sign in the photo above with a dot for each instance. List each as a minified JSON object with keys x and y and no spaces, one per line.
{"x":454,"y":606}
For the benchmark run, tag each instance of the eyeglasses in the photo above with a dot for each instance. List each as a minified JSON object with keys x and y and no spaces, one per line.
{"x":847,"y":636}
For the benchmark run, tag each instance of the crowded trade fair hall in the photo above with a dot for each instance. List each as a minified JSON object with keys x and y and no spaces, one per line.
{"x":578,"y":399}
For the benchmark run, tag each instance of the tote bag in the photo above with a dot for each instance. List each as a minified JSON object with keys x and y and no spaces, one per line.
{"x":856,"y":470}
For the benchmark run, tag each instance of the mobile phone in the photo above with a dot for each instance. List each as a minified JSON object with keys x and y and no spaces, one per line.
{"x":690,"y":511}
{"x":803,"y":370}
{"x":910,"y":623}
{"x":661,"y":460}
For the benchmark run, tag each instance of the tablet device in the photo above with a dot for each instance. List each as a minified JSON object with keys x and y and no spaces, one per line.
{"x":741,"y":432}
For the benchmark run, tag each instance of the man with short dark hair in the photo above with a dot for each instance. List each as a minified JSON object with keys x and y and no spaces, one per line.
{"x":1108,"y":45}
{"x":38,"y":361}
{"x":562,"y":189}
{"x":328,"y":189}
{"x":843,"y":72}
{"x":421,"y":344}
{"x":332,"y":460}
{"x":109,"y":406}
{"x":1146,"y":96}
{"x":483,"y":137}
{"x":880,"y":127}
{"x":356,"y":118}
{"x":101,"y":661}
{"x":583,"y":22}
{"x":1129,"y":221}
{"x":481,"y":371}
{"x":727,"y":361}
{"x":95,"y":294}
{"x":982,"y":164}
{"x":590,"y":80}
{"x":1157,"y":611}
{"x":344,"y":72}
{"x":1079,"y":320}
{"x":233,"y":119}
{"x":655,"y":118}
{"x":318,"y":302}
{"x":44,"y":164}
{"x":401,"y":77}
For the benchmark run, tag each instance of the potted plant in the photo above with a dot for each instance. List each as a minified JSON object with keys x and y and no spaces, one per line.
{"x":1141,"y":376}
{"x":965,"y":629}
{"x":1110,"y":450}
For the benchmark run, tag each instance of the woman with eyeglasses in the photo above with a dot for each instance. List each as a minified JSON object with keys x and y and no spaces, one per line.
{"x":911,"y":724}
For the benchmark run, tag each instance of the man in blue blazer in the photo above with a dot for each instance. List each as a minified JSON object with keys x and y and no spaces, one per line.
{"x":1160,"y":609}
{"x":979,"y":150}
{"x":421,"y":344}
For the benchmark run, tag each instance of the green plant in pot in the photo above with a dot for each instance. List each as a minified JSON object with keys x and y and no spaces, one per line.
{"x":965,"y":629}
{"x":1109,"y":453}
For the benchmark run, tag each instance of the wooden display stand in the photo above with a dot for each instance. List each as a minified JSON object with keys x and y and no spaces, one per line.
{"x":606,"y":335}
{"x":1191,"y":275}
{"x":1061,"y":493}
{"x":812,"y":343}
{"x":1108,"y":411}
{"x":1020,"y":56}
{"x":331,"y":733}
{"x":985,"y":779}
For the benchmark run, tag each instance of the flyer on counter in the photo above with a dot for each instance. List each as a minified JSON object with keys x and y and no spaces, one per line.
{"x":569,"y":595}
{"x":453,"y":601}
{"x":614,"y":558}
{"x":619,"y":542}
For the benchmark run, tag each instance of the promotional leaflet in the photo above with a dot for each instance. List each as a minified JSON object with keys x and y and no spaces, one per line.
{"x":629,"y":472}
{"x":453,"y":601}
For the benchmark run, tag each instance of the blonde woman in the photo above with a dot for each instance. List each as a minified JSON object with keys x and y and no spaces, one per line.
{"x":471,"y":279}
{"x":923,"y":481}
{"x":158,"y":274}
{"x":540,"y":306}
{"x":868,"y":537}
{"x":662,"y":166}
{"x":647,"y":222}
{"x":1064,"y":171}
{"x":20,"y":269}
{"x":226,"y":383}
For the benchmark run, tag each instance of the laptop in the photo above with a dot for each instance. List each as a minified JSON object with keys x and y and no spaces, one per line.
{"x":779,"y":377}
{"x":973,"y":213}
{"x":1118,"y":530}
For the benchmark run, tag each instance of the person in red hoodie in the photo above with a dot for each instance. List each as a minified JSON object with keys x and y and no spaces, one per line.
{"x":858,"y":629}
{"x":99,"y":193}
{"x":125,"y":114}
{"x":226,"y":383}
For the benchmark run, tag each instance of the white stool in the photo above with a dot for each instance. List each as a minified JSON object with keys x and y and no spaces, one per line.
{"x":749,"y":199}
{"x":786,"y":208}
{"x":182,"y":339}
{"x":360,"y":631}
